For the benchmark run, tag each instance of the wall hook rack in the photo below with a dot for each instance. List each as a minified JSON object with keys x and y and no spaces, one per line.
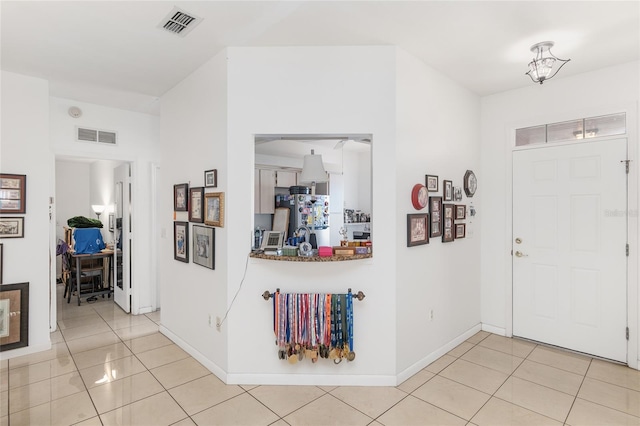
{"x":359,"y":295}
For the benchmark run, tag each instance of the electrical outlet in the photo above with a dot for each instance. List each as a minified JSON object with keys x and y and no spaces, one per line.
{"x":430,"y":314}
{"x":218,"y":323}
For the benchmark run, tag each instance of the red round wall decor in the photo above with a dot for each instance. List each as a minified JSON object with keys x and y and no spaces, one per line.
{"x":419,"y":196}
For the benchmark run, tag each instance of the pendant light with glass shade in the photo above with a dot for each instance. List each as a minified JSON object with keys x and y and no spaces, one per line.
{"x":544,"y":65}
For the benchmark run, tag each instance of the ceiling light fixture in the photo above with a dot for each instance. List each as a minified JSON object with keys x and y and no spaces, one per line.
{"x":544,"y":65}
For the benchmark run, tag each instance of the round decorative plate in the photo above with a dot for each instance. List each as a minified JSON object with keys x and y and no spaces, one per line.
{"x":419,"y":196}
{"x":470,"y":183}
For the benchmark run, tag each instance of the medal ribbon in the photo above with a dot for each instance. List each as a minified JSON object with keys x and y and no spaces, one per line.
{"x":350,"y":320}
{"x":339,"y":335}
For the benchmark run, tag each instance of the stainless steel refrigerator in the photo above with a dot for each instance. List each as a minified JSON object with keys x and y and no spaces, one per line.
{"x":310,"y":211}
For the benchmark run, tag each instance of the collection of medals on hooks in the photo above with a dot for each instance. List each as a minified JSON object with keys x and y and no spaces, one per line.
{"x":312,"y":325}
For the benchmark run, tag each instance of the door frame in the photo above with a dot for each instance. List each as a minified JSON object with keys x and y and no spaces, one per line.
{"x":632,"y":218}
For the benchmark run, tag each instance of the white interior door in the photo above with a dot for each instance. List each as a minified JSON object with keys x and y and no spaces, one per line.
{"x":569,"y":246}
{"x":122,"y":230}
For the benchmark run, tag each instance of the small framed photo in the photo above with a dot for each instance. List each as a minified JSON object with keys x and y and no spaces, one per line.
{"x":447,"y":190}
{"x":211,"y":178}
{"x":13,"y":191}
{"x":431,"y":183}
{"x":461,"y":212}
{"x":14,"y":316}
{"x":214,"y":209}
{"x":461,"y":229}
{"x":111,"y":220}
{"x":447,"y":223}
{"x":435,"y":213}
{"x":1,"y":256}
{"x":181,"y":197}
{"x":11,"y":227}
{"x":204,"y":246}
{"x":181,"y":241}
{"x":457,"y":193}
{"x":417,"y":229}
{"x":196,"y":204}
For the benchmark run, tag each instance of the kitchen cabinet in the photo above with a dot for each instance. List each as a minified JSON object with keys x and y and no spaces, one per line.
{"x":285,"y":179}
{"x":264,"y":191}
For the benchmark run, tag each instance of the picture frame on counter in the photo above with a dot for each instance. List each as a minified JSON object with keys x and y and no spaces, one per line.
{"x":204,"y":246}
{"x":14,"y":316}
{"x":431,"y":182}
{"x":211,"y":178}
{"x":417,"y":229}
{"x":447,"y":222}
{"x":461,"y":230}
{"x":196,"y":204}
{"x":181,"y":241}
{"x":181,"y":197}
{"x":13,"y":193}
{"x":435,"y":213}
{"x":214,"y":209}
{"x":447,"y":190}
{"x":12,"y":227}
{"x":461,"y":212}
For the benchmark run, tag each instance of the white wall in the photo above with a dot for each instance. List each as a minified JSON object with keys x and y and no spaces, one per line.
{"x":193,"y":139}
{"x":438,"y":124}
{"x":610,"y":90}
{"x":138,"y":136}
{"x":103,"y":193}
{"x":24,"y":150}
{"x":309,"y":91}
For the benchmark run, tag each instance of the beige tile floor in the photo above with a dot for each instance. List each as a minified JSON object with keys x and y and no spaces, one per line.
{"x":109,"y":368}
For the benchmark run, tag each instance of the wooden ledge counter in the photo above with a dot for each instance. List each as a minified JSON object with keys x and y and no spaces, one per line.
{"x":312,"y":258}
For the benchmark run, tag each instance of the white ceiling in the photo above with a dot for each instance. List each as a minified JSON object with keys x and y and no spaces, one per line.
{"x":112,"y":53}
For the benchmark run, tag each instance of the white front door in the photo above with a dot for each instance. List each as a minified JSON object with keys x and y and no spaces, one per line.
{"x":122,"y":231}
{"x":569,"y":246}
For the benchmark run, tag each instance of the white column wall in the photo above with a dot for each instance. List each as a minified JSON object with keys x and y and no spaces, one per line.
{"x":606,"y":91}
{"x":193,"y":135}
{"x":310,"y":90}
{"x":438,"y":125}
{"x":24,"y":150}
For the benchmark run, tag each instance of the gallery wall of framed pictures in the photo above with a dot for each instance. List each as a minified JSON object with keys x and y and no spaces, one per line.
{"x":445,"y":214}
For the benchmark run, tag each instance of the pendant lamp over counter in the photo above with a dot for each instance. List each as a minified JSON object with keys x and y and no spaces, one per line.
{"x":313,"y":171}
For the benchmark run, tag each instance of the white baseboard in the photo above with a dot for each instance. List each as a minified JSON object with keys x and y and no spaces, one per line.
{"x":410,"y":371}
{"x":495,"y":330}
{"x":211,"y":366}
{"x":25,"y":351}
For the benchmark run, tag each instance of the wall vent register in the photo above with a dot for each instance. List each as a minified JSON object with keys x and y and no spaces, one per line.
{"x":179,"y":22}
{"x":84,"y":134}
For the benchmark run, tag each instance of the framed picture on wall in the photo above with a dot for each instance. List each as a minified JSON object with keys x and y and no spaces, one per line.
{"x":435,"y":213}
{"x":431,"y":182}
{"x":447,"y":223}
{"x":111,"y":220}
{"x":461,"y":229}
{"x":181,"y":197}
{"x":196,"y":204}
{"x":461,"y":212}
{"x":417,"y":229}
{"x":13,"y":193}
{"x":1,"y":256}
{"x":211,"y":178}
{"x":447,"y":190}
{"x":204,"y":246}
{"x":11,"y":227}
{"x":181,"y":241}
{"x":214,"y":209}
{"x":14,"y":316}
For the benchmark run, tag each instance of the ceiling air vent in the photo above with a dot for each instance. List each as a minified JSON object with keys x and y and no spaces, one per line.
{"x":94,"y":135}
{"x":179,"y":22}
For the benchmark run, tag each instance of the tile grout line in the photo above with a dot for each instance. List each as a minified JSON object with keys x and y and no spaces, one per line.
{"x":576,"y":397}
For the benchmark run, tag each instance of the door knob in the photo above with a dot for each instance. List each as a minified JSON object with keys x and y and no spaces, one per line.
{"x":520,"y":254}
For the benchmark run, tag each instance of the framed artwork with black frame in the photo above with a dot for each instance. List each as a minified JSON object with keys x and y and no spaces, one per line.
{"x":447,"y":190}
{"x":461,"y":212}
{"x":12,"y":227}
{"x":13,"y":193}
{"x":181,"y":241}
{"x":435,"y":213}
{"x":204,"y":246}
{"x":447,"y":223}
{"x":14,"y":316}
{"x":196,"y":204}
{"x":431,"y":182}
{"x":461,"y":230}
{"x":181,"y":197}
{"x":417,"y":229}
{"x":214,"y":209}
{"x":211,"y":178}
